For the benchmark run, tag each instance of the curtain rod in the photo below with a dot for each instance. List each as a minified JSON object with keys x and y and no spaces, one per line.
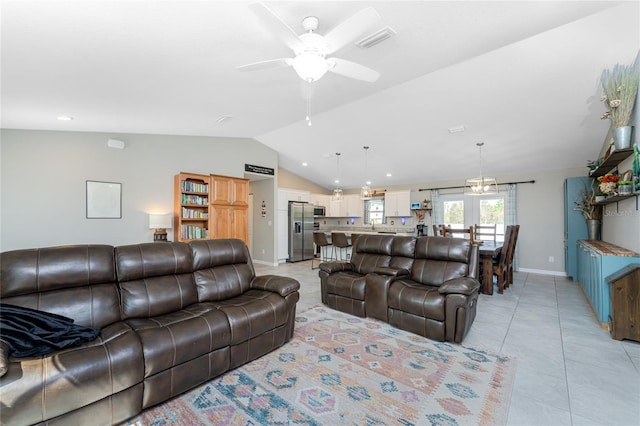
{"x":459,"y":187}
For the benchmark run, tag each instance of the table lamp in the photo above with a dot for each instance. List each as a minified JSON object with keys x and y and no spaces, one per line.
{"x":160,"y":222}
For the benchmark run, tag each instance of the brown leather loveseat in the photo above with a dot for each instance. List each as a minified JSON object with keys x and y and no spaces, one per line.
{"x":425,"y":285}
{"x":171,"y":316}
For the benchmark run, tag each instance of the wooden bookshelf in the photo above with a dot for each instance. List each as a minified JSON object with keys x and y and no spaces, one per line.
{"x":191,"y":207}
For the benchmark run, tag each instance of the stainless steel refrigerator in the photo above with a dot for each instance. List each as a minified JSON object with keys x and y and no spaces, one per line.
{"x":300,"y":231}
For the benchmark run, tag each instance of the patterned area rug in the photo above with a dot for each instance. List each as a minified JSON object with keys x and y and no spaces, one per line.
{"x":340,"y":369}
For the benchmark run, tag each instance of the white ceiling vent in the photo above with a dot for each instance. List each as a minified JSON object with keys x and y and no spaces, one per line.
{"x":375,"y":38}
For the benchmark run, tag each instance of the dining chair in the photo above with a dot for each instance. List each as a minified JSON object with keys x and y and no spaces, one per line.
{"x":501,"y":266}
{"x":511,"y":255}
{"x":485,"y":232}
{"x":439,"y":231}
{"x":462,"y":232}
{"x":340,"y":241}
{"x":320,"y":240}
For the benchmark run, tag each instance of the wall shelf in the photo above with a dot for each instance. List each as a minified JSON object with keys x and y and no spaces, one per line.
{"x":417,"y":211}
{"x":610,"y":162}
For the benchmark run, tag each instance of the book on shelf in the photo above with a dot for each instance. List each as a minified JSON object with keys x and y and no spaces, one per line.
{"x":190,"y":186}
{"x":190,"y":232}
{"x":194,"y":199}
{"x":188,"y":213}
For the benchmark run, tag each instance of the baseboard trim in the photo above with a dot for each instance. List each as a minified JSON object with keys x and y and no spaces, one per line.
{"x":264,"y":262}
{"x":543,"y":272}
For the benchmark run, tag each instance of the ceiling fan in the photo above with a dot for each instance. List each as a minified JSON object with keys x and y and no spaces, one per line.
{"x":311,"y":49}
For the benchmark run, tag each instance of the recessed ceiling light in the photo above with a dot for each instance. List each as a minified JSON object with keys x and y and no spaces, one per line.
{"x":304,"y":163}
{"x":65,"y":118}
{"x":388,"y":174}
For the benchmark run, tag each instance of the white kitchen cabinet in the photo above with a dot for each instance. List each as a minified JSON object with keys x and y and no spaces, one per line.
{"x":353,"y":206}
{"x":350,"y":206}
{"x":320,"y":200}
{"x":397,"y":203}
{"x":285,"y":195}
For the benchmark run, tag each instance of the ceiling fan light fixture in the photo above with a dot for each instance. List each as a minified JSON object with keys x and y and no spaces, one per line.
{"x":310,"y":66}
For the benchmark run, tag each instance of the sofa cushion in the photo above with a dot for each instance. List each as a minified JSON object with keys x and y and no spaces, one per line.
{"x":440,"y":259}
{"x":253,"y":313}
{"x":402,"y":252}
{"x":155,"y":278}
{"x":222,"y":268}
{"x":176,"y":337}
{"x":346,"y":284}
{"x":417,"y":299}
{"x":76,"y":281}
{"x":36,"y":389}
{"x":371,"y":251}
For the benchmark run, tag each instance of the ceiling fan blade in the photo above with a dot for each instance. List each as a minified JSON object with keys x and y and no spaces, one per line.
{"x":271,"y":63}
{"x":277,"y":25}
{"x":353,"y":70}
{"x":347,"y":31}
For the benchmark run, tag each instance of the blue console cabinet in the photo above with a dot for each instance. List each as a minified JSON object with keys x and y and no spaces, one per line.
{"x":575,"y":225}
{"x":596,"y":261}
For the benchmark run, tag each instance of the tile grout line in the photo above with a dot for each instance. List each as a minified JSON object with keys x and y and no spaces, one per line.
{"x":564,"y":359}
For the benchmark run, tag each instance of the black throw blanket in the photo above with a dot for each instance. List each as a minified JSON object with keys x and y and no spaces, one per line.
{"x":29,"y":332}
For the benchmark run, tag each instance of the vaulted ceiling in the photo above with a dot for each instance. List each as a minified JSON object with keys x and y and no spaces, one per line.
{"x":522,"y":77}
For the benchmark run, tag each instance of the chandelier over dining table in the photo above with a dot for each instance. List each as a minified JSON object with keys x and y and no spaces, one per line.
{"x":481,"y":185}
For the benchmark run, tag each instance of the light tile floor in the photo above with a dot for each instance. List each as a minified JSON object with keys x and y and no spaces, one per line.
{"x":569,"y":370}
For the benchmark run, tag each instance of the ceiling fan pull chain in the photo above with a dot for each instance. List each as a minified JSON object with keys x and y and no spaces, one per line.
{"x":308,"y":118}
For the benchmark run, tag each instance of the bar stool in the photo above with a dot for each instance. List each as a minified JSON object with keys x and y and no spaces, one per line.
{"x":339,"y":240}
{"x":320,"y":240}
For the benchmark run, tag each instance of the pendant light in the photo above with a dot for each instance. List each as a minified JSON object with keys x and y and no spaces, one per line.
{"x":337,"y":193}
{"x":365,"y":191}
{"x":481,"y":185}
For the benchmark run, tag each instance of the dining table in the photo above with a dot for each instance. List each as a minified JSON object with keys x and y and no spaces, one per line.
{"x":488,"y":251}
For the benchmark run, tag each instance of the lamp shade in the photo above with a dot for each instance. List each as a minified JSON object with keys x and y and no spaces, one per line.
{"x":160,"y":221}
{"x":309,"y":66}
{"x":481,"y":186}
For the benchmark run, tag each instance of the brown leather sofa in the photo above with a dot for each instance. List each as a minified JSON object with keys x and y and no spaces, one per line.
{"x":172,"y":316}
{"x":425,"y":285}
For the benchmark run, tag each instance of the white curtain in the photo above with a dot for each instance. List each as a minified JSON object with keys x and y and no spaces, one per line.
{"x":510,"y":211}
{"x":438,"y":208}
{"x":511,"y":216}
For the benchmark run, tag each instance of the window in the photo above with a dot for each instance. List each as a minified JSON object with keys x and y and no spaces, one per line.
{"x":374,"y":211}
{"x":454,"y":213}
{"x":460,"y":211}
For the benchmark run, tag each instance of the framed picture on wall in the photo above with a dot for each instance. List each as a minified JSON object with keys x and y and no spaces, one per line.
{"x":104,"y":200}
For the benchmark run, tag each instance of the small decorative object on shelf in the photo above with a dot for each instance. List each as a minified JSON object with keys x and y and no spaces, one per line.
{"x":625,"y":187}
{"x":591,"y":211}
{"x":620,"y":87}
{"x":608,"y":183}
{"x":426,"y":203}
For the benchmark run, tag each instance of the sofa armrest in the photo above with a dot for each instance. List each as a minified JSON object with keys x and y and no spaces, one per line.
{"x":276,"y":283}
{"x":394,"y":272}
{"x":464,"y":285}
{"x":4,"y":358}
{"x":335,"y":266}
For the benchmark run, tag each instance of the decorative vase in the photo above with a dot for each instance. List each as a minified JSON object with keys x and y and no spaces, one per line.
{"x":593,"y":229}
{"x":622,"y":137}
{"x":625,"y":189}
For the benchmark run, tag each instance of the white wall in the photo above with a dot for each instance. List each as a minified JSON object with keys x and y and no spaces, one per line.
{"x":43,"y":175}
